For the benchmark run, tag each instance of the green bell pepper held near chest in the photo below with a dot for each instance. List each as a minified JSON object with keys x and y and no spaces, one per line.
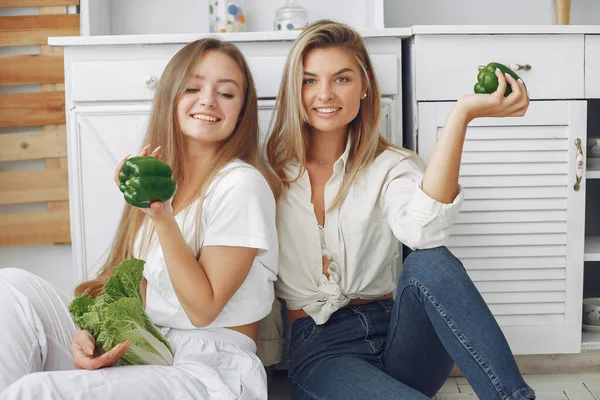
{"x":145,"y":179}
{"x":487,"y":81}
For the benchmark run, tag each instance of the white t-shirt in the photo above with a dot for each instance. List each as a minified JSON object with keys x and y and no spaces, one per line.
{"x":384,"y":206}
{"x":238,"y":210}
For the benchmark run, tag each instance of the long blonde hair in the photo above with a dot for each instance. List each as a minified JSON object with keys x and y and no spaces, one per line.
{"x":163,"y":130}
{"x":290,"y":129}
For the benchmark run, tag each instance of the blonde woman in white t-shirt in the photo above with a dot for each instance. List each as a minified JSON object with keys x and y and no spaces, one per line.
{"x":211,"y":256}
{"x":350,"y":198}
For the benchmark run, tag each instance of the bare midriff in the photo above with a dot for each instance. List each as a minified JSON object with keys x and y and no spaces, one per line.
{"x":250,"y":330}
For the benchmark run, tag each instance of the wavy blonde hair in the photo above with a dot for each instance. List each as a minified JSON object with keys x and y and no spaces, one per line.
{"x":289,"y":126}
{"x":163,"y":130}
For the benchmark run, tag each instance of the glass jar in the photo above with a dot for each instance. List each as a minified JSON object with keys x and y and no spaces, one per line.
{"x":291,"y":16}
{"x":226,"y":16}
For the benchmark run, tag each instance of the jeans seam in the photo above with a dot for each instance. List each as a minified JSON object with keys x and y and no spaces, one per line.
{"x":294,"y":382}
{"x":484,"y":364}
{"x":312,"y":336}
{"x":523,"y":391}
{"x":362,"y":318}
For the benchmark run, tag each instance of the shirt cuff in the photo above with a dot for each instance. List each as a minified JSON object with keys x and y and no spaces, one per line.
{"x":423,"y":209}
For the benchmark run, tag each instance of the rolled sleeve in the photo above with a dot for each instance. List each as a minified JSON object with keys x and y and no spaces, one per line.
{"x":417,"y":220}
{"x":425,"y":210}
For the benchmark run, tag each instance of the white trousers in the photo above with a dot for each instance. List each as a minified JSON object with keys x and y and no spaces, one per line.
{"x":35,"y":358}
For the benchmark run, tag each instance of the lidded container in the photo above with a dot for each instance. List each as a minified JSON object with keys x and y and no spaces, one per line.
{"x":226,"y":16}
{"x":292,"y":16}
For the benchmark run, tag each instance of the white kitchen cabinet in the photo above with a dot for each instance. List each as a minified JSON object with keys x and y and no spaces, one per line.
{"x":520,"y":233}
{"x":592,"y":66}
{"x":521,"y":230}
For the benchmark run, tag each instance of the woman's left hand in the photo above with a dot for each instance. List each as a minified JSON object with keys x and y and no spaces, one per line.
{"x":495,"y":104}
{"x":160,"y":210}
{"x":157,"y":210}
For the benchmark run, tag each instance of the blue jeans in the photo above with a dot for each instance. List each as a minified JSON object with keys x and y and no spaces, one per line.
{"x":405,"y":348}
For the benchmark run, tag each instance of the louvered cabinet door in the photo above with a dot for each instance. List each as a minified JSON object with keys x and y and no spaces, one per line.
{"x":520,"y":231}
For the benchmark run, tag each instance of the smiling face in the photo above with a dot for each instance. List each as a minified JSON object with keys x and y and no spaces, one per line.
{"x":210,"y":106}
{"x":332,"y":89}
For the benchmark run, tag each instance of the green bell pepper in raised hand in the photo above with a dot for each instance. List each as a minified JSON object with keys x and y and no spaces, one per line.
{"x":145,"y":179}
{"x":487,"y":81}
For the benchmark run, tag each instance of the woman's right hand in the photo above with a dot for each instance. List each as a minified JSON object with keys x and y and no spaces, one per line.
{"x":473,"y":106}
{"x":83,"y":350}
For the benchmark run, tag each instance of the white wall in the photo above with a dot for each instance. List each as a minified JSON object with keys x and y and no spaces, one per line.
{"x":191,"y":16}
{"x":186,"y":16}
{"x":400,"y":13}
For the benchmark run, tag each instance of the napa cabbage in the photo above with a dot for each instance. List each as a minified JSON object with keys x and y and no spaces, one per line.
{"x":118,"y":315}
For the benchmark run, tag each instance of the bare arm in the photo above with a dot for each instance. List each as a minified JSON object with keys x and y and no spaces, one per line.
{"x":203,"y":286}
{"x":441,"y":177}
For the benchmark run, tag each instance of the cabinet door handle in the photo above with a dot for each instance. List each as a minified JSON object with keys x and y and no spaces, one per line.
{"x":514,"y":67}
{"x":578,"y":165}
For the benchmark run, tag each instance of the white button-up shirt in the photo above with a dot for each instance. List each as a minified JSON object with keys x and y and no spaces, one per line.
{"x":384,"y":206}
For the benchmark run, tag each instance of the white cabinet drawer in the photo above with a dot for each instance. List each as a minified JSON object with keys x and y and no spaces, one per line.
{"x":592,"y":66}
{"x":126,"y":80}
{"x":446,"y":66}
{"x":115,"y":80}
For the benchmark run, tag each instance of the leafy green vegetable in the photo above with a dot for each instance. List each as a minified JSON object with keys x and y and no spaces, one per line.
{"x":118,"y":315}
{"x":126,"y":280}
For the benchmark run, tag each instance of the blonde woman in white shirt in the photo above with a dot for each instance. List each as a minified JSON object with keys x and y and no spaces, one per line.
{"x":211,"y":256}
{"x":350,"y":197}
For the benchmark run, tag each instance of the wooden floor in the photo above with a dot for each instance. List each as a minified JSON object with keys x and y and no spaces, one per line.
{"x":547,"y":387}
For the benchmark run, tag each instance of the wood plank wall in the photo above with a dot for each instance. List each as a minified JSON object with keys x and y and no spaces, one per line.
{"x":32,"y":125}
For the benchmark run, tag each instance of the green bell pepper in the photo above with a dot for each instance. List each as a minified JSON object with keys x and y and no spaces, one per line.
{"x":487,"y":81}
{"x":145,"y":179}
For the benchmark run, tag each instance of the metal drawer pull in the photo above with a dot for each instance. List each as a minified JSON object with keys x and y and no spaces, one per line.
{"x":150,"y":81}
{"x":519,"y":67}
{"x":578,"y":164}
{"x":514,"y":67}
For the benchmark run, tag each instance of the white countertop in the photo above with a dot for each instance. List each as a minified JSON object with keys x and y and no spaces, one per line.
{"x":266,"y":36}
{"x":504,"y":29}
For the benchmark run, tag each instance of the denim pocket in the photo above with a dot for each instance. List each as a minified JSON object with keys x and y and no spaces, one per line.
{"x":304,"y":331}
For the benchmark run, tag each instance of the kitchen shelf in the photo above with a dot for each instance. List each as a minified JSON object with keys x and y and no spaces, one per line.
{"x":592,"y":249}
{"x":593,"y":168}
{"x":590,"y":340}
